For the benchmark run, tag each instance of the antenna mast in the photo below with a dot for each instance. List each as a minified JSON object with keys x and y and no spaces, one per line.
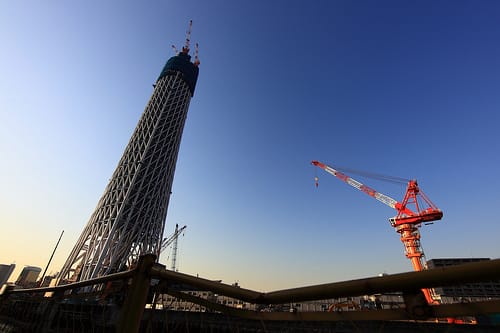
{"x":53,"y":252}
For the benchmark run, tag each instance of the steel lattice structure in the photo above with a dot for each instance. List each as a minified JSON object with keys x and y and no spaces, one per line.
{"x":130,"y":217}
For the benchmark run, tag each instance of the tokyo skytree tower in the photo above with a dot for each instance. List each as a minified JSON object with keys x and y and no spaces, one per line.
{"x":130,"y":216}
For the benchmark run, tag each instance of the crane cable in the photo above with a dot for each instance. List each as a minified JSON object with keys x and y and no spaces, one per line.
{"x":316,"y":179}
{"x":377,"y":176}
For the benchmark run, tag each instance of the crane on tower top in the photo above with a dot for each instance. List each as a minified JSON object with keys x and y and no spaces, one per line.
{"x":187,"y":46}
{"x":415,"y":208}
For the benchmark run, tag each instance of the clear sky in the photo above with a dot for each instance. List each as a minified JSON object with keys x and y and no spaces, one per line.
{"x":403,"y":88}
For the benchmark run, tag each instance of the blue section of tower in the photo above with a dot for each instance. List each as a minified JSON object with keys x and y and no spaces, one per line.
{"x":182,"y":63}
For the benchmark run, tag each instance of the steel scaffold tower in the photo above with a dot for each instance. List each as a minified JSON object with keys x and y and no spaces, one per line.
{"x":130,"y":216}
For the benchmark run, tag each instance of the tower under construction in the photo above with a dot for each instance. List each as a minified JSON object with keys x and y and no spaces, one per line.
{"x":130,"y":216}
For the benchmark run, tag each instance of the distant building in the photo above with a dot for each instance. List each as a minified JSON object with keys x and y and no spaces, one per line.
{"x":47,"y":280}
{"x":28,"y":276}
{"x":5,"y":272}
{"x":164,"y":301}
{"x":366,"y":302}
{"x":464,"y":292}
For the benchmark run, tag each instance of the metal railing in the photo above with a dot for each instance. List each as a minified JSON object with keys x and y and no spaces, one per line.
{"x":143,"y":299}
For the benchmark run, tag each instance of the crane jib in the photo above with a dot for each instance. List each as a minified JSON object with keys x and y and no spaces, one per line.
{"x":366,"y":189}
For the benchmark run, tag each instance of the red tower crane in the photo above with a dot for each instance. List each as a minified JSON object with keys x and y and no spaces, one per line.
{"x":407,"y":221}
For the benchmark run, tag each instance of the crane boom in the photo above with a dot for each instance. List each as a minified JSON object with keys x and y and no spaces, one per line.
{"x":354,"y":183}
{"x":405,"y":215}
{"x":167,"y":241}
{"x":406,"y":222}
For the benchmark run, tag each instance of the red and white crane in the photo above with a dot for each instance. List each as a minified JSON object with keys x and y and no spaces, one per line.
{"x":415,"y":208}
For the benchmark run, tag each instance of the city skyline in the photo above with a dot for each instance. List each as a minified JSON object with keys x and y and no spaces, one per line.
{"x":402,"y":89}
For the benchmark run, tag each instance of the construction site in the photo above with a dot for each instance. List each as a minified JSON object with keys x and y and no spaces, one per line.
{"x":112,"y":280}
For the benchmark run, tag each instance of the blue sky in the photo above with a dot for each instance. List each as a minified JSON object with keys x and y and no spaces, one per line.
{"x":403,"y":88}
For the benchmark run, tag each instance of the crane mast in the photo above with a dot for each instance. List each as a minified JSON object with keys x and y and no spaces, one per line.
{"x":406,"y":222}
{"x":172,"y":239}
{"x":174,"y":248}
